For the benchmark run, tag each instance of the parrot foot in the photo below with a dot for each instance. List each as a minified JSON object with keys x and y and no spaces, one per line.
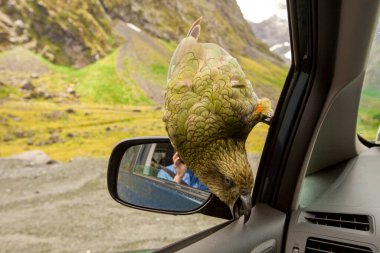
{"x":267,"y":119}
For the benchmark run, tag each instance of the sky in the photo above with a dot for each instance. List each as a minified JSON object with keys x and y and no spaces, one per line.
{"x":259,"y":10}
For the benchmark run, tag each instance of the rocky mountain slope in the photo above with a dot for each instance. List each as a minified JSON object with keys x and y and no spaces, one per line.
{"x":275,"y":32}
{"x":65,"y":32}
{"x":129,"y":43}
{"x":223,"y":22}
{"x":79,"y":32}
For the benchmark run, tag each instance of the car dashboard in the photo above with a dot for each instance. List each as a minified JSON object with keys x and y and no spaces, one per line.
{"x":339,"y":208}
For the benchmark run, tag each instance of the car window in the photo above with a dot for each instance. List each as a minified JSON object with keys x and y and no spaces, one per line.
{"x":271,"y":27}
{"x":321,"y":177}
{"x":369,"y":110}
{"x":76,"y":78}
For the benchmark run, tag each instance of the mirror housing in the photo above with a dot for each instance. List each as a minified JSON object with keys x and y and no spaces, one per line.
{"x":123,"y":178}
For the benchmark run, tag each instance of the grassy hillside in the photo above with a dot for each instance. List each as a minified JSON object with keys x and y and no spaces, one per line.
{"x":96,"y":83}
{"x":170,"y":20}
{"x":76,"y":78}
{"x":101,"y":83}
{"x":77,"y":33}
{"x":67,"y":131}
{"x":85,"y":112}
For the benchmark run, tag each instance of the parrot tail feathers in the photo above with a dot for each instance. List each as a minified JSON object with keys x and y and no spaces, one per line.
{"x":195,"y":29}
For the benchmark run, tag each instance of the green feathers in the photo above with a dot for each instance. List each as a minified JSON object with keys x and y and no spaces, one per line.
{"x":207,"y":94}
{"x":210,"y":108}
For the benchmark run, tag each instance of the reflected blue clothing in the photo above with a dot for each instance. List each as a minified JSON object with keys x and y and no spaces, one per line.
{"x":189,"y":178}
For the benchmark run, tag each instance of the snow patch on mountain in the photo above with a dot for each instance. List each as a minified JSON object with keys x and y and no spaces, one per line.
{"x":275,"y":32}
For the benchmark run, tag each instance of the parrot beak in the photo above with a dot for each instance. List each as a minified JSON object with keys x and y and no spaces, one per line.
{"x":243,"y":205}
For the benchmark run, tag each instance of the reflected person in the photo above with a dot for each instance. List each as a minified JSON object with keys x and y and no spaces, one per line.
{"x":179,"y":173}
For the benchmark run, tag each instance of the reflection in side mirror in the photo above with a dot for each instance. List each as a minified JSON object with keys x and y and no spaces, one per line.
{"x":145,"y":179}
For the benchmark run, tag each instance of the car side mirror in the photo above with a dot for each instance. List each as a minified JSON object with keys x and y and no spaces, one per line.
{"x":140,"y":173}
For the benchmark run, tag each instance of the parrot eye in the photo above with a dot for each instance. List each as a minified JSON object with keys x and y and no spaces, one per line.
{"x":228,"y":182}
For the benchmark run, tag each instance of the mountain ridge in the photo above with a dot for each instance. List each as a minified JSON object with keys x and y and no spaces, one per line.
{"x":77,"y":33}
{"x":274,"y":31}
{"x":126,"y":55}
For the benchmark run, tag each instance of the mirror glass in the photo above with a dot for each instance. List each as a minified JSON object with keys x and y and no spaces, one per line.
{"x":147,"y":178}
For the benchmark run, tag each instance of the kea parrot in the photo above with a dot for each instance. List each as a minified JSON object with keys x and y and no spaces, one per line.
{"x":210,"y":108}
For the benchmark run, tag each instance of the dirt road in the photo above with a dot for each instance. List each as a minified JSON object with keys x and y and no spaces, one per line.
{"x":66,"y":208}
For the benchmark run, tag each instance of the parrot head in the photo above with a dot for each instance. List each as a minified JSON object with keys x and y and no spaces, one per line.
{"x":225,"y":169}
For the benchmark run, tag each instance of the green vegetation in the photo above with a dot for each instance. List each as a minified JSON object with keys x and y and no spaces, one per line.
{"x":6,"y":91}
{"x":264,"y":72}
{"x":68,"y":131}
{"x":159,"y":70}
{"x":110,"y":105}
{"x":369,"y":114}
{"x":150,"y":59}
{"x":100,"y":83}
{"x":171,"y":21}
{"x":57,"y":26}
{"x":88,"y":130}
{"x":106,"y":102}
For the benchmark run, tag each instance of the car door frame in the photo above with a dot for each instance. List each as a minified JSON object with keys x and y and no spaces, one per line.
{"x":266,"y":227}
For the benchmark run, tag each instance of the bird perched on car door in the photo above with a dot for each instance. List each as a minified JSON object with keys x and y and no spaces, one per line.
{"x":210,"y":108}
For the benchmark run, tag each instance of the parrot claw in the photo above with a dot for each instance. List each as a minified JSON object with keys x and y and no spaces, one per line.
{"x":267,"y":119}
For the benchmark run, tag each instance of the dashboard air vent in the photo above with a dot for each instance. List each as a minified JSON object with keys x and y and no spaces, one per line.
{"x":350,"y":221}
{"x":315,"y":245}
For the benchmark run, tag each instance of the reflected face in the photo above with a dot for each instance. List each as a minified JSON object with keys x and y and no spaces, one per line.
{"x":146,"y":176}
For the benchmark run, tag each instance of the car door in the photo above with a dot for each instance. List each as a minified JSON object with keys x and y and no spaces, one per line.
{"x":313,"y":129}
{"x":330,"y":44}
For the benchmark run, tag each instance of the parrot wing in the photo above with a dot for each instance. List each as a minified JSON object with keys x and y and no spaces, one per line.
{"x":208,"y":96}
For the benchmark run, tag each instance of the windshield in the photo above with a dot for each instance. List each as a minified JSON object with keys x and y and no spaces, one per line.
{"x":369,"y":113}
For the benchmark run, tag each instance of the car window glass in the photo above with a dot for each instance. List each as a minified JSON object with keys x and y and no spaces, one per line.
{"x":77,"y":77}
{"x":368,"y":125}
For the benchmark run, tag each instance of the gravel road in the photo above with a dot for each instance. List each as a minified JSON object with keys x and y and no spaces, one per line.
{"x":67,"y":208}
